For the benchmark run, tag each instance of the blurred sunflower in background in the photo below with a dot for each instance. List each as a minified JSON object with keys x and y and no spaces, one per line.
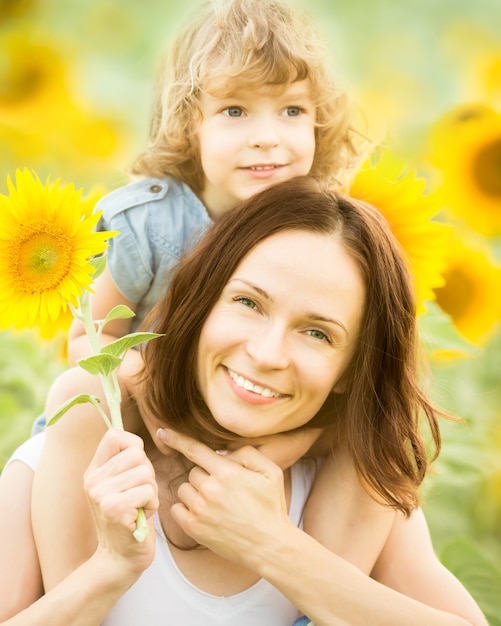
{"x":32,"y":78}
{"x":466,"y":150}
{"x":471,"y":295}
{"x":10,"y":9}
{"x":399,"y":194}
{"x":41,"y":119}
{"x":489,"y":70}
{"x":46,"y":239}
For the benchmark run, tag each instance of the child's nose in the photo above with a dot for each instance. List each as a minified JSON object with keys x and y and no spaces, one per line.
{"x":264,"y":133}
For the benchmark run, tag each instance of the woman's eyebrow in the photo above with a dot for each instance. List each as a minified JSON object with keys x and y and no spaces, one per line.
{"x":316,"y":317}
{"x":259,"y":290}
{"x":312,"y":315}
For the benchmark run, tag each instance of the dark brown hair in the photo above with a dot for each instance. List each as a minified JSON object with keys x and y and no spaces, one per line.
{"x":378,"y":414}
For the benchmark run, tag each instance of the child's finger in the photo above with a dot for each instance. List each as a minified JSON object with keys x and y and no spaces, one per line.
{"x":113,"y":442}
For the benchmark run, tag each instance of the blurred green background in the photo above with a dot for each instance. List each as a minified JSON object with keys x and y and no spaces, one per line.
{"x":75,"y":92}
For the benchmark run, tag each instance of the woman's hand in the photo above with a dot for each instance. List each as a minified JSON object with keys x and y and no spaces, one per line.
{"x":119,"y":480}
{"x":232,"y":502}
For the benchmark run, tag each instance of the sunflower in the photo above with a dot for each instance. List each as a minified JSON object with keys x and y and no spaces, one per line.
{"x":466,"y":149}
{"x":399,"y":195}
{"x":10,"y":9}
{"x":471,"y":294}
{"x":32,"y":75}
{"x":46,"y":241}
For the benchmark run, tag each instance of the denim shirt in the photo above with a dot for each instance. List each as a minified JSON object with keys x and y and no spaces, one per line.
{"x":157,"y":218}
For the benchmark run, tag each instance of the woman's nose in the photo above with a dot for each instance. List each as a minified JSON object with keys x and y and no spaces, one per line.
{"x":268,"y":348}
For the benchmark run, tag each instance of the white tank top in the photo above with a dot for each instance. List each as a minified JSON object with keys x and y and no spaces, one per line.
{"x":164,"y":597}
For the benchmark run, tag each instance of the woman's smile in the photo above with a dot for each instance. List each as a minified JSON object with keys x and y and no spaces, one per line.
{"x":252,"y":392}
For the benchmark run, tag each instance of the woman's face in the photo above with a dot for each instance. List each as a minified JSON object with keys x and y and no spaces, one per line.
{"x":281,"y":334}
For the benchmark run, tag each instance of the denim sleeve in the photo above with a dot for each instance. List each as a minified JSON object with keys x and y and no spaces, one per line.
{"x":129,"y":254}
{"x":156,"y":219}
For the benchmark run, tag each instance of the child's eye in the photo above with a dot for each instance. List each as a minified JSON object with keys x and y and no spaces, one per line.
{"x":319,"y":334}
{"x":293,"y":111}
{"x":248,"y":302}
{"x":233,"y":111}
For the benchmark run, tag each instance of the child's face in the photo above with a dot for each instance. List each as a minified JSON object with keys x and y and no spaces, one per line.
{"x":252,"y":140}
{"x":281,"y":334}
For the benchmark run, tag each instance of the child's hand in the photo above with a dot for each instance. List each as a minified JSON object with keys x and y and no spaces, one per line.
{"x":119,"y":480}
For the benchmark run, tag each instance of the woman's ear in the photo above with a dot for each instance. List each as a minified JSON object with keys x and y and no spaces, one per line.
{"x":339,"y":386}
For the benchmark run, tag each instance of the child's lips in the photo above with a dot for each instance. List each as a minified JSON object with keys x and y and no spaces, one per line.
{"x":263,"y":170}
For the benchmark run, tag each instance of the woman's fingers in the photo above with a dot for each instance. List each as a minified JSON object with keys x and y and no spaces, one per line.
{"x":194,"y":451}
{"x":230,"y":498}
{"x":197,"y":476}
{"x":212,"y":462}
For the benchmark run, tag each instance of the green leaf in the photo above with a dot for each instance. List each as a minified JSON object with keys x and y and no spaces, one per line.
{"x":480,"y":575}
{"x":439,"y":335}
{"x":100,"y":364}
{"x":119,"y":346}
{"x":82,"y":398}
{"x":119,"y":312}
{"x":99,"y":263}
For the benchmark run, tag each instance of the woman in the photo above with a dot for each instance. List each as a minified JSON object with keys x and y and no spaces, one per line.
{"x":269,"y":326}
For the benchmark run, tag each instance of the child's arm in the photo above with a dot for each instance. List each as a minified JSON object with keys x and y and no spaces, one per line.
{"x":286,"y":448}
{"x":106,"y":296}
{"x":342,"y":516}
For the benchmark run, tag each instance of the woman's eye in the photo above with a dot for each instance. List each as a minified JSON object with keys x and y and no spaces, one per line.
{"x":233,"y":112}
{"x":293,"y":111}
{"x":318,"y":334}
{"x":248,"y":302}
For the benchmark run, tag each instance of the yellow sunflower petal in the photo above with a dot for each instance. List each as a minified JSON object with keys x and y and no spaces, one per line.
{"x":466,"y":150}
{"x":471,"y":294}
{"x":46,"y":240}
{"x":399,"y":195}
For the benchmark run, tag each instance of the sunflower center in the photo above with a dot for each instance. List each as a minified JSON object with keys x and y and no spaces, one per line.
{"x":487,"y":168}
{"x":456,"y":296}
{"x":41,"y":259}
{"x":21,"y":83}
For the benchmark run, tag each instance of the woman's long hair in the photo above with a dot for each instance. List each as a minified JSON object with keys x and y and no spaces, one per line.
{"x":378,"y":414}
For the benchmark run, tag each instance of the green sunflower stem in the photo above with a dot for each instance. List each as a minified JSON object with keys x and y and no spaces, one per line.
{"x":111,"y":388}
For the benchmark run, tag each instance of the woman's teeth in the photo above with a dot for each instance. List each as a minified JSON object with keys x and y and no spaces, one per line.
{"x":246,"y":384}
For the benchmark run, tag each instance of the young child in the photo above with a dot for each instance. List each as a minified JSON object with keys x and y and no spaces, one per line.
{"x":244,"y":101}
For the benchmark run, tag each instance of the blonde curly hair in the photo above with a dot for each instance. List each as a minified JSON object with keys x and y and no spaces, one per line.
{"x":228,"y":44}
